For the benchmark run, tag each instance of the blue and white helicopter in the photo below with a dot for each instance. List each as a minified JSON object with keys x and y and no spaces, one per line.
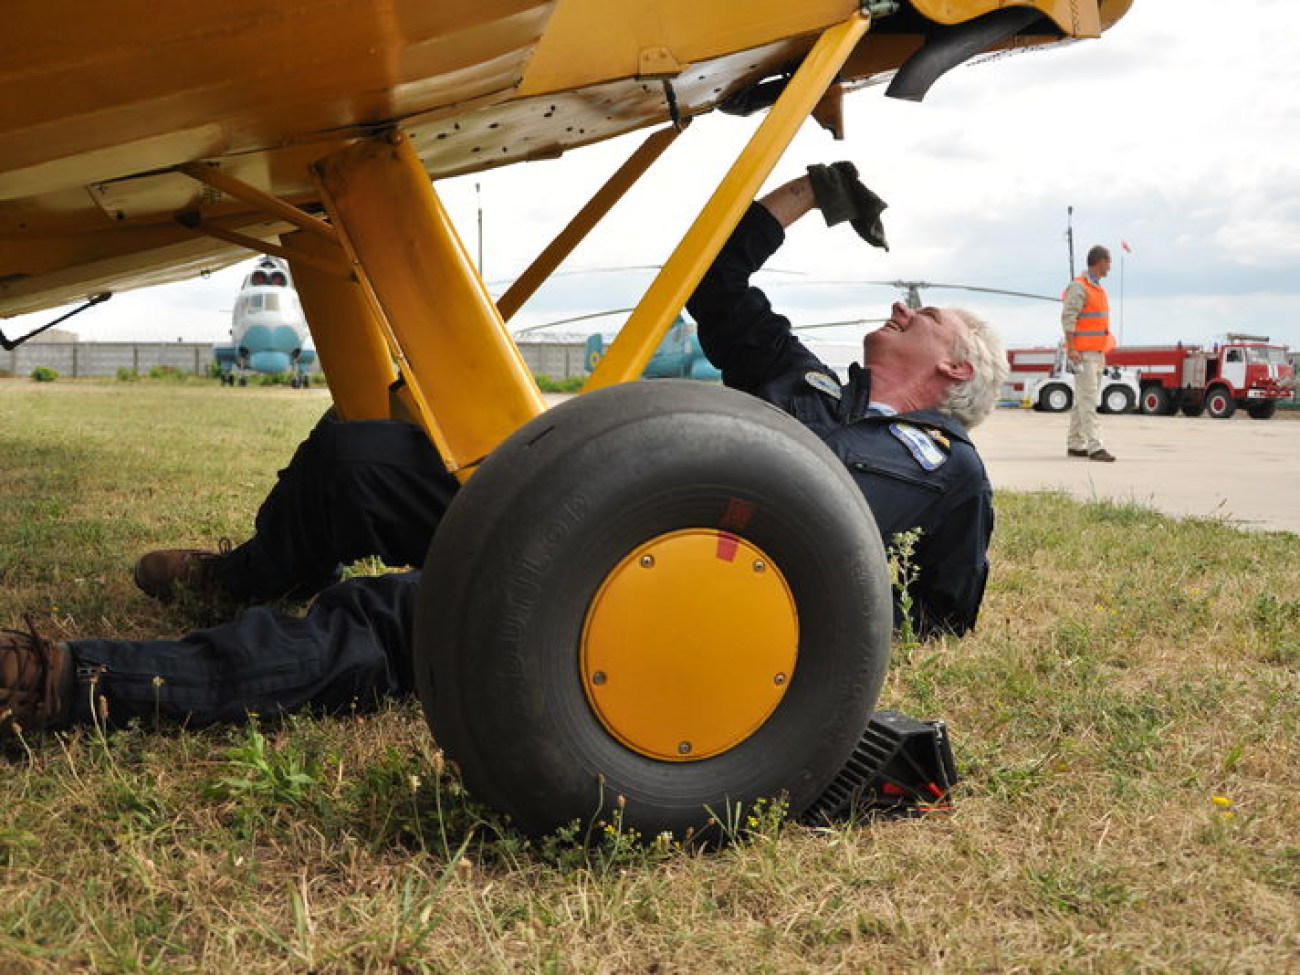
{"x":268,"y":330}
{"x":678,"y":356}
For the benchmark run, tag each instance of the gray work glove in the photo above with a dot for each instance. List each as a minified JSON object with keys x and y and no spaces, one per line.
{"x":841,"y":196}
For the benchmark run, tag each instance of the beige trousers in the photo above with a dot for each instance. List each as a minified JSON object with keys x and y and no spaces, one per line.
{"x":1085,"y":428}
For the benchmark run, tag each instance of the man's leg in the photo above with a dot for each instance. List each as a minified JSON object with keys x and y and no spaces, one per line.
{"x":1084,"y":434}
{"x":1087,"y":389}
{"x":351,"y":649}
{"x":1075,"y":441}
{"x":352,"y":490}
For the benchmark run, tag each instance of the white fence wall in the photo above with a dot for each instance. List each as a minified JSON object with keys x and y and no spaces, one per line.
{"x":75,"y":360}
{"x":559,"y":360}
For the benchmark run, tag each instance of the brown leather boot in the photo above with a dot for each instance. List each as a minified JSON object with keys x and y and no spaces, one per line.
{"x":162,"y":573}
{"x":35,"y":681}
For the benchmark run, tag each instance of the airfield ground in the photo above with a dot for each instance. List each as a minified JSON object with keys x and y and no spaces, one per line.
{"x":1242,"y":471}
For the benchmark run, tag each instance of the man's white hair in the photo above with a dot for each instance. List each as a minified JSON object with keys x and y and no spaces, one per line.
{"x":972,"y":400}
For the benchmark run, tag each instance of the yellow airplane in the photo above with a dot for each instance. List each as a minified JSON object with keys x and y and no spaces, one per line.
{"x":658,"y":599}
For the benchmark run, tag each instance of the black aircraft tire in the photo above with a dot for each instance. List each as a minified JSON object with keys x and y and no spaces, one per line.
{"x":531,"y":537}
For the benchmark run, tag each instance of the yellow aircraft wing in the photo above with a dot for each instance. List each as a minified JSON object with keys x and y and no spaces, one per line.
{"x":104,"y":102}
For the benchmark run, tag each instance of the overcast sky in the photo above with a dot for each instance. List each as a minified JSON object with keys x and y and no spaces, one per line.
{"x":1178,"y":132}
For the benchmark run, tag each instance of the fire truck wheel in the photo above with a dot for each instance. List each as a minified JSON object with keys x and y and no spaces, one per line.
{"x":1193,"y":409}
{"x":1262,"y":411}
{"x":1219,"y":402}
{"x":660,"y":601}
{"x":1156,"y":401}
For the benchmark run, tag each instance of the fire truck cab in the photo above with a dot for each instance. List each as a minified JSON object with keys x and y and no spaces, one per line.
{"x":1242,"y":372}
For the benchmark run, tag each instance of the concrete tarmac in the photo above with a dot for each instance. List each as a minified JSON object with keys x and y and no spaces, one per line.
{"x":1241,"y":471}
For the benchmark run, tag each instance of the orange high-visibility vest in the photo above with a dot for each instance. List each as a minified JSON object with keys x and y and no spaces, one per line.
{"x":1092,"y":330}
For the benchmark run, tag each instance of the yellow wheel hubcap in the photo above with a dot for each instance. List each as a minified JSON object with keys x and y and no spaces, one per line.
{"x":689,"y":645}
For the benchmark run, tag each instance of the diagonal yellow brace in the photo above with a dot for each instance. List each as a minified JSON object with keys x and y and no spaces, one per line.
{"x":330,"y":263}
{"x":599,"y":205}
{"x":629,"y":353}
{"x":214,"y":177}
{"x":469,"y":386}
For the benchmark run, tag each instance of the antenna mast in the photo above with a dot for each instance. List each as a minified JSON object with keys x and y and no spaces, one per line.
{"x":478,"y":199}
{"x":1069,"y":237}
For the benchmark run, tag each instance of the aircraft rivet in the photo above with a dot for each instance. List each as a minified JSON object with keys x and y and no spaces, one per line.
{"x":760,"y":565}
{"x":684,"y":748}
{"x":647,"y":561}
{"x":598,"y":677}
{"x":779,"y":679}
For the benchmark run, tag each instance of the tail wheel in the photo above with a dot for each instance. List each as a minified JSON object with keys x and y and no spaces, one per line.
{"x":663,"y":595}
{"x":1219,"y":403}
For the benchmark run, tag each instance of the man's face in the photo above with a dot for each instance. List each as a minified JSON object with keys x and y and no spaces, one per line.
{"x":1101,"y":268}
{"x":914,"y":342}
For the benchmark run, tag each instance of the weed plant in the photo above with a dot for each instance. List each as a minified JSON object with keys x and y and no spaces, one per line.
{"x":1125,"y":721}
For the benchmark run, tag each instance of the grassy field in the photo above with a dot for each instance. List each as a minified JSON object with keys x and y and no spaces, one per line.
{"x":1126,"y":720}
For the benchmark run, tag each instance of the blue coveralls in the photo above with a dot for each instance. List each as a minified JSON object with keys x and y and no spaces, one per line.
{"x":377,"y":488}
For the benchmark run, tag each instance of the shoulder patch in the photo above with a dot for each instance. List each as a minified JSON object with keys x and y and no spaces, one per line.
{"x":823,"y":383}
{"x":924,"y":450}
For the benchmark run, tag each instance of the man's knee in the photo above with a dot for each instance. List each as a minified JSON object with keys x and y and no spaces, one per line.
{"x":336,"y":446}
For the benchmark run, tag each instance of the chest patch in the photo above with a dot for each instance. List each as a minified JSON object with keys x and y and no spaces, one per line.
{"x":924,"y":450}
{"x":823,"y":383}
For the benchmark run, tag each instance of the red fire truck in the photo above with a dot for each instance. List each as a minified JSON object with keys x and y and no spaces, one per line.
{"x":1243,"y":371}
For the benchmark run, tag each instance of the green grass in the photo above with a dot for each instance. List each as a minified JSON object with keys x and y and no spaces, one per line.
{"x":1125,"y":720}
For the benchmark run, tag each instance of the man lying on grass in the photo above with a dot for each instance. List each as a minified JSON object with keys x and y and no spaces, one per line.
{"x":378,"y":489}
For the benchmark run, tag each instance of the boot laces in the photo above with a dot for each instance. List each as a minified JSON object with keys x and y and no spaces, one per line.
{"x":37,"y":653}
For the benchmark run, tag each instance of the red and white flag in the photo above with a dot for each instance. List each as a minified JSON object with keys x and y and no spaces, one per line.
{"x":1124,"y":244}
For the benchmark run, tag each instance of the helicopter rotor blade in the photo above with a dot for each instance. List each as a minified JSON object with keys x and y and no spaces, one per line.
{"x":625,"y":268}
{"x":908,"y":286}
{"x":973,"y":287}
{"x":573,"y":318}
{"x":844,"y":324}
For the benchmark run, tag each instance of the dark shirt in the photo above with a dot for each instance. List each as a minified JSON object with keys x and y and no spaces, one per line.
{"x":917,"y":470}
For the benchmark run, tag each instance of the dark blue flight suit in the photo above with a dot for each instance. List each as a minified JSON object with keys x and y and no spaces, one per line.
{"x":917,"y":470}
{"x":377,"y":488}
{"x":352,"y":490}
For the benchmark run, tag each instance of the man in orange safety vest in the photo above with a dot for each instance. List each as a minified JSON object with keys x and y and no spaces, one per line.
{"x":1085,"y":318}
